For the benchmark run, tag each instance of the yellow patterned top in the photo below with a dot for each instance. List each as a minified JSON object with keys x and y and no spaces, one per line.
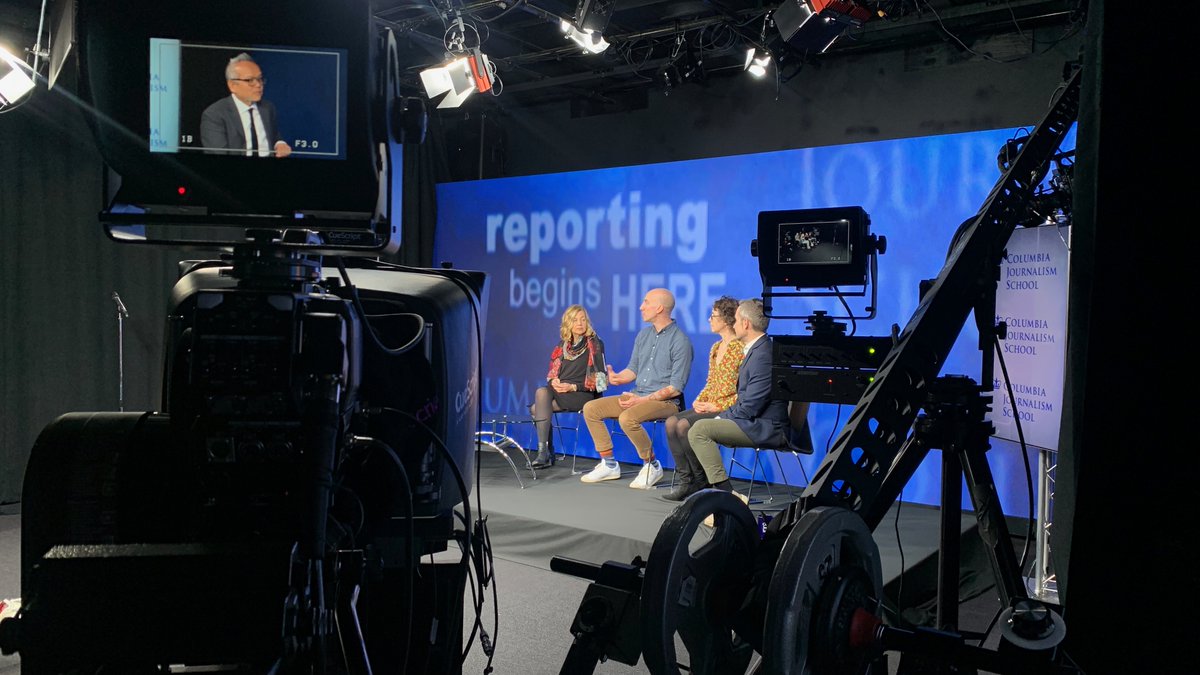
{"x":721,"y":387}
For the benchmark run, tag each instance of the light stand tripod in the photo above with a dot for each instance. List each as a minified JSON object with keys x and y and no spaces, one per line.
{"x":122,"y":314}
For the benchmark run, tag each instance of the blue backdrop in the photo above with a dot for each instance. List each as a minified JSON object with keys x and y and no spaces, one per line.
{"x":603,"y":238}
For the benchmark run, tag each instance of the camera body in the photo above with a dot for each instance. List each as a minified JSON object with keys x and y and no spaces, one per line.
{"x":309,"y":446}
{"x":316,"y":430}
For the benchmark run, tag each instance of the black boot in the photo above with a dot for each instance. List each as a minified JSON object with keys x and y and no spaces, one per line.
{"x":724,"y":486}
{"x":685,"y":487}
{"x":545,"y":457}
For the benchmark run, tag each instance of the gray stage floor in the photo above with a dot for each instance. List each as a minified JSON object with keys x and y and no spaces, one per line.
{"x":556,"y":514}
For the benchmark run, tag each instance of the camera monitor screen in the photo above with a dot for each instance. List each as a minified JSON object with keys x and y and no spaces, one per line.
{"x":814,"y":248}
{"x":173,"y":89}
{"x":814,"y":243}
{"x":197,"y":92}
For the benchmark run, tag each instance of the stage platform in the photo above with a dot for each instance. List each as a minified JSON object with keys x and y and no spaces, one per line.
{"x":556,"y":514}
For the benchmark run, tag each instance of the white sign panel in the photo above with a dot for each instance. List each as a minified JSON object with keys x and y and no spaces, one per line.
{"x":1031,"y":299}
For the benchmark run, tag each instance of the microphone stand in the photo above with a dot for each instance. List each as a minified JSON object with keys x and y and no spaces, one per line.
{"x":122,"y":314}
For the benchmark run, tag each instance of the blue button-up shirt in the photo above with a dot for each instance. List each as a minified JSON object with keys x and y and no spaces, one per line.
{"x":661,"y":358}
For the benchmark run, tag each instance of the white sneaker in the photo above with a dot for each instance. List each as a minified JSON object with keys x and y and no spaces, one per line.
{"x":710,"y":521}
{"x":650,"y":474}
{"x":602,"y":472}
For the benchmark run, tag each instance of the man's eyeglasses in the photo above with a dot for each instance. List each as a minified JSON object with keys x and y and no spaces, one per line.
{"x":250,"y":80}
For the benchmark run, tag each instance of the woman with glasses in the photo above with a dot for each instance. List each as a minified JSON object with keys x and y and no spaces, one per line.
{"x":571,"y":380}
{"x":719,"y":393}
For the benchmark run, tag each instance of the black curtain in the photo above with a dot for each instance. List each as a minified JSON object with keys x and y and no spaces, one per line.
{"x":1124,"y":510}
{"x":60,"y":350}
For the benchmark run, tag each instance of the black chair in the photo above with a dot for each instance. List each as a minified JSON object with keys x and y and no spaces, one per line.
{"x":558,"y":426}
{"x":798,"y":442}
{"x":615,"y":430}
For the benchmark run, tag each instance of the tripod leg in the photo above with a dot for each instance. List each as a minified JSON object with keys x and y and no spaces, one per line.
{"x":949,"y":550}
{"x":349,"y":630}
{"x":992,"y":526}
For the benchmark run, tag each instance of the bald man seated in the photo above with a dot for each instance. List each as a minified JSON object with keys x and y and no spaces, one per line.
{"x":659,"y":367}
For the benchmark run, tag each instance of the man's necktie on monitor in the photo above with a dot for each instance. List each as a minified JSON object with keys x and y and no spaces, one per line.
{"x":253,"y":134}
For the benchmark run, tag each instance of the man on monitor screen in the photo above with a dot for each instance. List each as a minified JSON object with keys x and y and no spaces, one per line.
{"x":243,"y":122}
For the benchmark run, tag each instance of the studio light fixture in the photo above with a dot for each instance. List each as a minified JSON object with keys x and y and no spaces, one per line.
{"x":594,"y":15}
{"x":757,"y":61}
{"x":466,"y":71}
{"x":591,"y":41}
{"x":591,"y":20}
{"x":462,"y":76}
{"x":15,"y":83}
{"x":814,"y":25}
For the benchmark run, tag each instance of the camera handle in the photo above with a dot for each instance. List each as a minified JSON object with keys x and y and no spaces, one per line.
{"x":122,"y":314}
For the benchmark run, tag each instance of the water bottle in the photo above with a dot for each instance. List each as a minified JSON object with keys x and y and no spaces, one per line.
{"x":601,"y":375}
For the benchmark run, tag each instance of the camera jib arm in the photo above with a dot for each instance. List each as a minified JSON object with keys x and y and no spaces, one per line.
{"x":874,"y":457}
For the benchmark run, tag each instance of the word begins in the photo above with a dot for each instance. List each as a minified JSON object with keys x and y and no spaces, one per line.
{"x":552,"y":294}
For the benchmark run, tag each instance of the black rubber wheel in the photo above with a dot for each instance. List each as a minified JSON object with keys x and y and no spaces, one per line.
{"x":696,"y":579}
{"x":828,"y":546}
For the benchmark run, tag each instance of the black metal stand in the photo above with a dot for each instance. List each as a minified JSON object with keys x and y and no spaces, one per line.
{"x":122,"y":314}
{"x":954,"y":423}
{"x":606,"y":624}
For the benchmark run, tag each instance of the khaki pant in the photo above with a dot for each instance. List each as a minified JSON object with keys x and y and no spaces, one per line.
{"x":630,"y":420}
{"x":706,"y":437}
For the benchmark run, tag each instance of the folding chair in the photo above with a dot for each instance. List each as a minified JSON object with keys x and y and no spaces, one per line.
{"x":558,"y":426}
{"x":499,"y":441}
{"x":798,"y":442}
{"x":616,"y":430}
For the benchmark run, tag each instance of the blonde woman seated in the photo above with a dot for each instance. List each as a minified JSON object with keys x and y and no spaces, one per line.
{"x":571,"y":381}
{"x":719,"y":393}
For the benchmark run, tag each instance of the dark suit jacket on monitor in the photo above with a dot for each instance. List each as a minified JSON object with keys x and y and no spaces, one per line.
{"x":761,"y":418}
{"x":221,"y":126}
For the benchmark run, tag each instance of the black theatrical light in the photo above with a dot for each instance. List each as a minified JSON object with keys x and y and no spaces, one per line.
{"x":814,"y":25}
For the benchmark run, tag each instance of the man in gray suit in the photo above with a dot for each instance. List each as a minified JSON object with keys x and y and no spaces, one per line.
{"x":242,"y":123}
{"x":755,"y":420}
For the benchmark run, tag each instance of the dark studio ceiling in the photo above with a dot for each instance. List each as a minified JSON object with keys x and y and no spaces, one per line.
{"x":656,"y":45}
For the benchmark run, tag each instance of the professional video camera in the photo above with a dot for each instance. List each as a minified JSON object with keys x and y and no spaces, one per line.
{"x":316,"y":429}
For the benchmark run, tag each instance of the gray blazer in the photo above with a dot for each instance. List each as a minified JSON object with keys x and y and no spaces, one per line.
{"x":221,"y":126}
{"x":761,"y":418}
